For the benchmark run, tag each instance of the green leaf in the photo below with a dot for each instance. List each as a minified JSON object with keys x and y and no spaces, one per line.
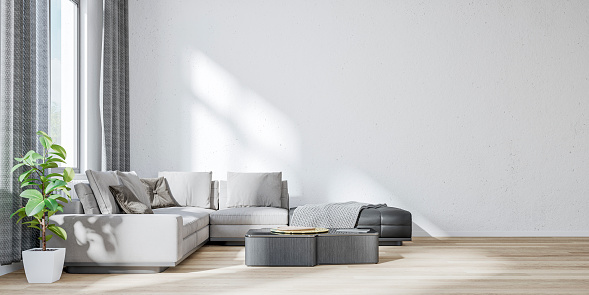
{"x":32,"y":222}
{"x":54,"y":175}
{"x":46,"y":141}
{"x":48,"y":165}
{"x":28,"y":154}
{"x":35,"y":157}
{"x":34,"y":226}
{"x":51,"y":204}
{"x":53,"y":160}
{"x":58,"y":154}
{"x":31,"y":194}
{"x":65,"y":190}
{"x":17,"y":212}
{"x":58,"y":198}
{"x":48,"y":237}
{"x":27,"y":183}
{"x":55,"y":183}
{"x":39,"y":215}
{"x":60,"y":232}
{"x":25,"y":175}
{"x":42,"y":133}
{"x":19,"y":159}
{"x":16,"y":167}
{"x":60,"y":209}
{"x":23,"y":215}
{"x":59,"y":149}
{"x":54,"y":196}
{"x":34,"y":206}
{"x":29,"y":162}
{"x":68,"y":174}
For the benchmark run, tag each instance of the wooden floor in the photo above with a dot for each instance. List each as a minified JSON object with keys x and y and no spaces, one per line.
{"x":424,"y":266}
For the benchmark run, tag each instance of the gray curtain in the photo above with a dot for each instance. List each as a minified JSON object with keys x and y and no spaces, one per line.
{"x":115,"y":86}
{"x":24,"y":101}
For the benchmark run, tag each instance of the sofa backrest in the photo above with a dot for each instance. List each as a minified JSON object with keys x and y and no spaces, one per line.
{"x":189,"y":188}
{"x":222,"y":195}
{"x":76,"y":206}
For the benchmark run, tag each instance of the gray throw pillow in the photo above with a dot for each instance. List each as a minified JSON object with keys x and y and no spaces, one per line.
{"x":86,"y":196}
{"x":159,"y":193}
{"x":128,"y":201}
{"x":132,"y":181}
{"x":100,"y":181}
{"x":254,"y":189}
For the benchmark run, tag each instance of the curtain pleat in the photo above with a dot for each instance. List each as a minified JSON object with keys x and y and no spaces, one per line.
{"x":115,"y":86}
{"x":24,"y":109}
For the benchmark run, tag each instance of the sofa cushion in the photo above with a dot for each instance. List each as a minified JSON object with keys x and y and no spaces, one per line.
{"x":132,"y":181}
{"x":254,"y":189}
{"x":87,"y":198}
{"x":100,"y":181}
{"x":128,"y":201}
{"x":190,"y":188}
{"x":193,"y":218}
{"x":250,"y":215}
{"x":159,"y":193}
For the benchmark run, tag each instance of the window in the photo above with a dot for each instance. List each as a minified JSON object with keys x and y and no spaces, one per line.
{"x":64,"y":115}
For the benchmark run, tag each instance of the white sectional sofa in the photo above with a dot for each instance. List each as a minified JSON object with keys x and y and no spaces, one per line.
{"x":231,"y":224}
{"x":145,"y":243}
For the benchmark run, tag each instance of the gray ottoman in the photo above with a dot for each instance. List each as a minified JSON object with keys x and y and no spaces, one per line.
{"x":264,"y":248}
{"x":394,"y":225}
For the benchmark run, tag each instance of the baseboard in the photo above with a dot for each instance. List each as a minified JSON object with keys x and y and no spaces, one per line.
{"x":6,"y":269}
{"x":511,"y":234}
{"x":113,"y":269}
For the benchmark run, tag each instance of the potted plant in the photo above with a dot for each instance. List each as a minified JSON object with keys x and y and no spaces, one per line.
{"x":43,"y":190}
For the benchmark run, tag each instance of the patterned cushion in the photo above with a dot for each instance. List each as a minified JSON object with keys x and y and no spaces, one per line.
{"x":128,"y":201}
{"x":159,"y":193}
{"x":132,"y":181}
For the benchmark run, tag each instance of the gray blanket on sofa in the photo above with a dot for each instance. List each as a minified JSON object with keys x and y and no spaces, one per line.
{"x":330,"y":215}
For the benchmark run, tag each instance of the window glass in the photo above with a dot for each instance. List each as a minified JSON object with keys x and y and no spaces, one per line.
{"x":64,"y":78}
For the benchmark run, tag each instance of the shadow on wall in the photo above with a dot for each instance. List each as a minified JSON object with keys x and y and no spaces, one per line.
{"x":234,"y":129}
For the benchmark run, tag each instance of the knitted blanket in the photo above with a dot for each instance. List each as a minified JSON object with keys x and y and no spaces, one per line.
{"x":330,"y":215}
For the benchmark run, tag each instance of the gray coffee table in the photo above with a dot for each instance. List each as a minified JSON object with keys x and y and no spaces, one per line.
{"x":264,"y":248}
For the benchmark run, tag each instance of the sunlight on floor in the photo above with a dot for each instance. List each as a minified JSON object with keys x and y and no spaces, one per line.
{"x":412,"y":269}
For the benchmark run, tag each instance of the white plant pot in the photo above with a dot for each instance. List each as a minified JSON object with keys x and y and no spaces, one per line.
{"x":43,"y":266}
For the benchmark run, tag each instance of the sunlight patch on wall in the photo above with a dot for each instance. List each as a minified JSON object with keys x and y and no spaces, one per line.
{"x":233,"y":127}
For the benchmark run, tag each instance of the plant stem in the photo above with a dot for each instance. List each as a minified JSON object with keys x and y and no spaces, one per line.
{"x":43,"y":227}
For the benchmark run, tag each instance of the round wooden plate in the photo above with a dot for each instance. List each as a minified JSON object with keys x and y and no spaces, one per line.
{"x":315,"y":230}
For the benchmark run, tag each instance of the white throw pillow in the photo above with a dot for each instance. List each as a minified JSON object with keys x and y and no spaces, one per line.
{"x":99,"y":182}
{"x":190,"y":188}
{"x":132,"y":182}
{"x":254,"y":189}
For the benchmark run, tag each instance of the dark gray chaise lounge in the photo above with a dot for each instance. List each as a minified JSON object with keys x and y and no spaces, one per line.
{"x":393,"y":224}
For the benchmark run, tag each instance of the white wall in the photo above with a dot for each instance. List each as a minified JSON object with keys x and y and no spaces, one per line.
{"x":473,"y":115}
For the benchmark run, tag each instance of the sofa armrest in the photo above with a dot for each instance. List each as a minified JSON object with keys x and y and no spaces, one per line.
{"x":284,"y":195}
{"x":120,"y":239}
